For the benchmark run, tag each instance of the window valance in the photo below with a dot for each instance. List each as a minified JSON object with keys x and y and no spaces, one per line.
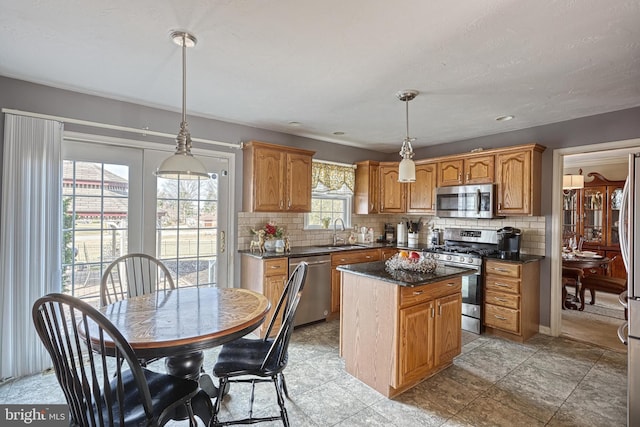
{"x":332,"y":178}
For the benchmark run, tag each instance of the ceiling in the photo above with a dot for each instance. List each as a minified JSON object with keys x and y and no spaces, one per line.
{"x":335,"y":65}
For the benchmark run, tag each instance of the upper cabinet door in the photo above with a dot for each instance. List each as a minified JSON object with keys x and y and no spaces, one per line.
{"x":450,"y":172}
{"x":421,"y":195}
{"x":367,"y":188}
{"x":514,"y":183}
{"x":298,"y":182}
{"x":392,"y":192}
{"x":479,"y":170}
{"x":268,"y":180}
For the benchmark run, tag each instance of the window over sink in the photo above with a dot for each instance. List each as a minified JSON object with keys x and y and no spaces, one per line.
{"x":331,"y":196}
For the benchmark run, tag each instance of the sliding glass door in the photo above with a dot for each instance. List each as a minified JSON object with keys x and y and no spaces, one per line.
{"x":113,"y":204}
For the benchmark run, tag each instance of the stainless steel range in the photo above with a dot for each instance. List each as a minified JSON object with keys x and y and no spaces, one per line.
{"x":464,"y":247}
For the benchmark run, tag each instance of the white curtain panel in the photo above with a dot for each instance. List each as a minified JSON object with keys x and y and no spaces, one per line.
{"x":30,"y":237}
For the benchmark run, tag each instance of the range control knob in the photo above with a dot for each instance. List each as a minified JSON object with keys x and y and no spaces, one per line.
{"x":448,"y":257}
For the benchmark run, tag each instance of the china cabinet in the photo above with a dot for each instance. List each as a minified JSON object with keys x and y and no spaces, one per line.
{"x":593,"y":214}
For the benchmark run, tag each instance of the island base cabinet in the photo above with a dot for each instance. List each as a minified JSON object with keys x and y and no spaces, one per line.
{"x":393,"y":337}
{"x":416,"y":342}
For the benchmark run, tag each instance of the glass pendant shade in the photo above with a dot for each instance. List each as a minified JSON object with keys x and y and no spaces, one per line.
{"x":407,"y":170}
{"x":407,"y":167}
{"x":182,"y":164}
{"x":572,"y":182}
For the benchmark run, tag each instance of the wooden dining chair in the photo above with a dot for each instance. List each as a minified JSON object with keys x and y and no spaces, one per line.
{"x":102,"y":380}
{"x":131,"y":275}
{"x":261,"y":360}
{"x":571,"y":276}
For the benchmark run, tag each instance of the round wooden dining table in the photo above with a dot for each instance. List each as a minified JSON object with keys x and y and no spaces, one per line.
{"x":593,"y":264}
{"x":178,"y":324}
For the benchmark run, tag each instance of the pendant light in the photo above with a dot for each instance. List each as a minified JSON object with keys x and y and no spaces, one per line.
{"x":407,"y":168}
{"x":182,"y":164}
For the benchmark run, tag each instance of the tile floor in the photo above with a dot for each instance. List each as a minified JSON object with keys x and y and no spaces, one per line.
{"x":494,"y":382}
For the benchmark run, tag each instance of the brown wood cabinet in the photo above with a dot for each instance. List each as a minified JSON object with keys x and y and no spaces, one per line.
{"x":276,"y":178}
{"x":512,"y":299}
{"x":421,"y":194}
{"x":367,"y":191}
{"x":518,"y":180}
{"x":268,"y":277}
{"x":392,"y":193}
{"x":343,"y":258}
{"x":474,"y":169}
{"x":393,"y":337}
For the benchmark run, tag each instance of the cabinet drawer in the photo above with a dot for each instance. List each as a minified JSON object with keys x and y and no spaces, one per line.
{"x":414,"y":295}
{"x":355,"y":257}
{"x":503,"y":299}
{"x":502,"y":284}
{"x":503,"y":268}
{"x":502,"y":318}
{"x":274,"y":267}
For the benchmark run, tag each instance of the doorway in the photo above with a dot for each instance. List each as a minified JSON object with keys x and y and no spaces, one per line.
{"x":113,"y":204}
{"x":597,"y":324}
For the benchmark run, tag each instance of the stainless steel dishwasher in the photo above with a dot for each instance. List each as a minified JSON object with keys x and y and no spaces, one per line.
{"x":315,"y":303}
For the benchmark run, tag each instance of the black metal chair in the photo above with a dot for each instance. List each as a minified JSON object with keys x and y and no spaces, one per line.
{"x":261,"y":360}
{"x":134,"y":274}
{"x":102,"y":380}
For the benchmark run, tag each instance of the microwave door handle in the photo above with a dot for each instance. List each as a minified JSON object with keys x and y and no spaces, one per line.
{"x":478,"y":198}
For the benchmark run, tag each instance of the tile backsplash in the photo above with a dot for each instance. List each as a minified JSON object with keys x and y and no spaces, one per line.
{"x":532,"y":242}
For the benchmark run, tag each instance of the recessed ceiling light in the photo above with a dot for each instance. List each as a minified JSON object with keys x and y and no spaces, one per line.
{"x":295,"y":124}
{"x":505,"y":118}
{"x":338,"y":133}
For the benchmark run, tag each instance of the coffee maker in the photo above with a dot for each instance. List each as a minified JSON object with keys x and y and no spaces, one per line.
{"x":509,"y":242}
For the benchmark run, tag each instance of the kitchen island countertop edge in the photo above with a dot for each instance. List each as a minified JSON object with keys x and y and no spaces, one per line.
{"x":378,"y":270}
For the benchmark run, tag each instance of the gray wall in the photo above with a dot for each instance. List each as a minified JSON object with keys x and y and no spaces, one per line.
{"x":20,"y":95}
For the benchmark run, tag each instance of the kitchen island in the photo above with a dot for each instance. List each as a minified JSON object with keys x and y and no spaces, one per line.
{"x":399,"y":327}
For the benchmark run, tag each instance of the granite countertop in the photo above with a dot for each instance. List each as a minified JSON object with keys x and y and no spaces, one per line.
{"x":378,"y":270}
{"x":305,"y":251}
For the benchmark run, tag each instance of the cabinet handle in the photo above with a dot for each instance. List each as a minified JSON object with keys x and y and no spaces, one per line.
{"x":289,"y":203}
{"x":433,"y":312}
{"x":439,"y":309}
{"x":451,"y":285}
{"x":502,"y":270}
{"x":499,"y":206}
{"x":500,"y":299}
{"x":418,"y":292}
{"x":281,"y":204}
{"x":502,"y":285}
{"x":499,"y":317}
{"x":273,"y":267}
{"x":368,"y":256}
{"x":468,"y":176}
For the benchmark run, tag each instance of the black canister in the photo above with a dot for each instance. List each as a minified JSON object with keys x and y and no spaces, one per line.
{"x":509,"y":242}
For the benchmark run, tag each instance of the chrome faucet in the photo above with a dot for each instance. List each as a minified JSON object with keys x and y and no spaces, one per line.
{"x":336,"y":239}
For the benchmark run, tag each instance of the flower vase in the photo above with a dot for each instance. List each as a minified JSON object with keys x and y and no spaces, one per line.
{"x":270,"y":245}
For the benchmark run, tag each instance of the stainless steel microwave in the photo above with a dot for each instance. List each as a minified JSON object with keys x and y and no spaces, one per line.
{"x":466,"y":201}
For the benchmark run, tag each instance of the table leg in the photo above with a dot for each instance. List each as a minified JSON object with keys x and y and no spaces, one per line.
{"x":190,"y":366}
